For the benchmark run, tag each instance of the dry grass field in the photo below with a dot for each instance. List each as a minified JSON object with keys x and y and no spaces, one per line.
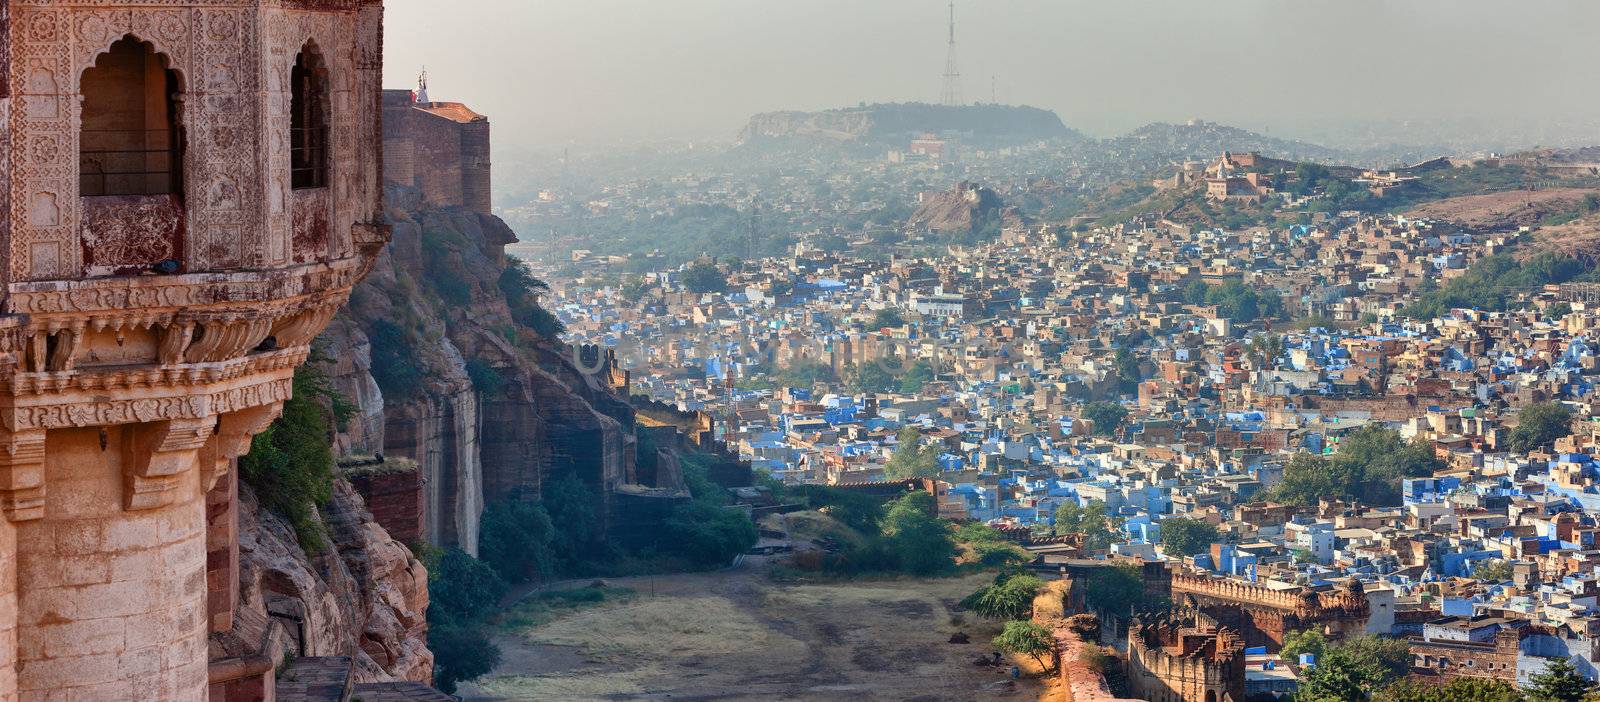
{"x":738,"y":635}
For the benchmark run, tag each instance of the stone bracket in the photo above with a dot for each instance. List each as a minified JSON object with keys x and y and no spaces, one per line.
{"x":155,"y":455}
{"x":232,"y":440}
{"x":22,"y":474}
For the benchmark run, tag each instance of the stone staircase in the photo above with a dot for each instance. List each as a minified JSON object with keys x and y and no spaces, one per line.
{"x":328,"y":679}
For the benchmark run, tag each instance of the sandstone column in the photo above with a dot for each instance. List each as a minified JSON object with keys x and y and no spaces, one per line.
{"x":112,"y":600}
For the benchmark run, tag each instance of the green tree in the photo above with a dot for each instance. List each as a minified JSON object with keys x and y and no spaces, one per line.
{"x":1187,"y":537}
{"x":462,"y":588}
{"x":1368,"y":467}
{"x":1539,"y":425}
{"x":861,"y":513}
{"x":1457,"y":690}
{"x":887,"y":317}
{"x":573,"y":506}
{"x":1115,"y":591}
{"x":460,"y":653}
{"x":992,"y":549}
{"x":1009,"y":597}
{"x":1560,"y":682}
{"x":1496,"y":570}
{"x":1388,"y":659}
{"x":1026,"y":638}
{"x":1338,"y":677}
{"x":703,"y":277}
{"x":1296,"y":643}
{"x":1127,"y":369}
{"x":1557,"y":311}
{"x":870,"y":377}
{"x":1267,"y":348}
{"x":633,"y":289}
{"x":514,"y":538}
{"x":911,"y":458}
{"x":919,"y":541}
{"x":916,"y":376}
{"x":1107,"y":416}
{"x":1089,"y":520}
{"x":707,"y":534}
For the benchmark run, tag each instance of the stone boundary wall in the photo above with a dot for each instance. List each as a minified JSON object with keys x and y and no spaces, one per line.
{"x":1081,"y":681}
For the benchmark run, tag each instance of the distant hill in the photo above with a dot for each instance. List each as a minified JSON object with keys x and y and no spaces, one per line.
{"x":900,"y":122}
{"x":1201,"y":139}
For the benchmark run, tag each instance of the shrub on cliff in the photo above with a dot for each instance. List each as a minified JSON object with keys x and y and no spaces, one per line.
{"x":394,"y":360}
{"x":290,"y":465}
{"x":521,"y":291}
{"x":486,"y":379}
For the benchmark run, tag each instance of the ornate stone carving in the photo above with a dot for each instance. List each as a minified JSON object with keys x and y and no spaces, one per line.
{"x":22,"y":474}
{"x":154,"y":454}
{"x":232,"y":440}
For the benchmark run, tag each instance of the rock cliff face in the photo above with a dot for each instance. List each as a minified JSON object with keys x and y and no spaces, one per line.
{"x":965,"y":209}
{"x":364,"y":596}
{"x":498,"y":408}
{"x":444,"y":356}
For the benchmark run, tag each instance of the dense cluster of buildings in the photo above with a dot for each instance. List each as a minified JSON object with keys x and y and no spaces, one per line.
{"x":1224,"y":354}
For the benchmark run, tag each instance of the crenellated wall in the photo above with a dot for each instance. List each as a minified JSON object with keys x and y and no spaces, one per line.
{"x":1263,"y":615}
{"x":1172,"y":661}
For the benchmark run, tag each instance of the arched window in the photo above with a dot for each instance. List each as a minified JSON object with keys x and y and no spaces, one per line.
{"x":308,"y":120}
{"x":131,"y":143}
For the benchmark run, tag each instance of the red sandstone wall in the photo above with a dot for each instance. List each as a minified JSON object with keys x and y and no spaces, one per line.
{"x":395,"y":500}
{"x":475,"y":166}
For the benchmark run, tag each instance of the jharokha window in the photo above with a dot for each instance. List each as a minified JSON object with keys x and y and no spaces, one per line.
{"x":131,"y":142}
{"x":308,"y":120}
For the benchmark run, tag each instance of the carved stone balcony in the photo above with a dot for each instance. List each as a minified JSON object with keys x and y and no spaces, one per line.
{"x":194,"y":362}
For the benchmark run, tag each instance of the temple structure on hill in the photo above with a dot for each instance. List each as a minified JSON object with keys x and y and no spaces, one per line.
{"x":189,"y":189}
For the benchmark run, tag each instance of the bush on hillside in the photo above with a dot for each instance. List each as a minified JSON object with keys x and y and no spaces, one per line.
{"x":290,"y":465}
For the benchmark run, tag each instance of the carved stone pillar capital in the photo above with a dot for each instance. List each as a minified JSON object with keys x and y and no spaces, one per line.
{"x":232,"y":440}
{"x":155,"y":454}
{"x":22,"y":474}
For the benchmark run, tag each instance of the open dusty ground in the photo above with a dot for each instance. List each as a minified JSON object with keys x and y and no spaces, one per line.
{"x":737,"y":635}
{"x":1511,"y":208}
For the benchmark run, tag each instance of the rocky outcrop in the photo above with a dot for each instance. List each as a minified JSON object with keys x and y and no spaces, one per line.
{"x":364,"y":595}
{"x":499,"y":408}
{"x":968,"y":208}
{"x":895,"y":123}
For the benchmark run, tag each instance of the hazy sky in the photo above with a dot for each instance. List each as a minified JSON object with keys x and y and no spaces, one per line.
{"x":550,"y":72}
